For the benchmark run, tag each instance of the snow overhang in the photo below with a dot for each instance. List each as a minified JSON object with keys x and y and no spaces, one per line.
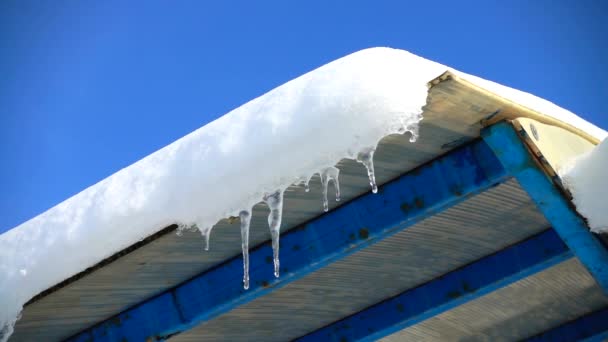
{"x":455,"y":112}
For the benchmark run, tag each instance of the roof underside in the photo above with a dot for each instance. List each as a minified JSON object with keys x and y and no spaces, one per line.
{"x":462,"y":234}
{"x":532,"y":305}
{"x":480,"y":226}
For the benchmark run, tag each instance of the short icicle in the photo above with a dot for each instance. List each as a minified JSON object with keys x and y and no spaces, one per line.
{"x":366,"y":157}
{"x":275,"y":204}
{"x":307,"y":184}
{"x":411,"y":125}
{"x":330,"y":174}
{"x":245,"y":217}
{"x":414,"y":131}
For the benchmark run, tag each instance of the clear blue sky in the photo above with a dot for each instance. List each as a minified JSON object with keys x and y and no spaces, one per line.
{"x":87,"y":88}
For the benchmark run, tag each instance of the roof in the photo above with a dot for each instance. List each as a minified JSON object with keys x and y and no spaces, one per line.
{"x":463,"y":230}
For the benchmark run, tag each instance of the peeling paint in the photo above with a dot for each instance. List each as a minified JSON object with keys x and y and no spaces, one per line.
{"x":363,"y":233}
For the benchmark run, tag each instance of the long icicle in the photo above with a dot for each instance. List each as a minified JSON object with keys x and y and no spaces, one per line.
{"x":245,"y":217}
{"x":327,"y":175}
{"x":307,"y":184}
{"x":275,"y":204}
{"x":206,"y":232}
{"x":366,"y":157}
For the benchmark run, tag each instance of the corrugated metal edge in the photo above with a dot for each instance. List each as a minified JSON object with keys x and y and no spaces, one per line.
{"x":511,"y":109}
{"x":103,"y":263}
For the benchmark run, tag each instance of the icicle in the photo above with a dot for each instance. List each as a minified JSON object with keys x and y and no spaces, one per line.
{"x":207,"y":240}
{"x":366,"y":157}
{"x":411,"y":125}
{"x":330,"y":174}
{"x":306,"y":184}
{"x":414,"y":131}
{"x":206,"y":232}
{"x":337,"y":184}
{"x":275,"y":203}
{"x":245,"y":217}
{"x":7,"y":329}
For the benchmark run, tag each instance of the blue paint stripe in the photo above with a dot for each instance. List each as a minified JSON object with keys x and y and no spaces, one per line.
{"x":601,"y":337}
{"x":592,"y":327}
{"x":399,"y":204}
{"x":448,"y":291}
{"x":514,"y":156}
{"x":159,"y":313}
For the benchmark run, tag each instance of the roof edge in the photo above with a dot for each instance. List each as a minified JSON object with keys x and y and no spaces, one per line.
{"x":102,"y":263}
{"x":511,"y":110}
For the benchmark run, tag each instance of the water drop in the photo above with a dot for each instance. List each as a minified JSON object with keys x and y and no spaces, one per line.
{"x":366,"y":157}
{"x":245,"y":217}
{"x":330,"y":174}
{"x":275,"y":204}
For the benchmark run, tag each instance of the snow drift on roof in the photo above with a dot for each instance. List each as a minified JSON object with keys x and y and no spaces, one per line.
{"x":340,"y":110}
{"x":586,"y":179}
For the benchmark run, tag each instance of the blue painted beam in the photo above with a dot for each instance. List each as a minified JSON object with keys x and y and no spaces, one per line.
{"x":399,"y":204}
{"x":519,"y":162}
{"x":591,"y":327}
{"x":448,"y":291}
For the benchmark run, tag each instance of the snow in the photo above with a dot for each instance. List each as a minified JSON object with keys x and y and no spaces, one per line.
{"x":586,"y":179}
{"x":340,"y":110}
